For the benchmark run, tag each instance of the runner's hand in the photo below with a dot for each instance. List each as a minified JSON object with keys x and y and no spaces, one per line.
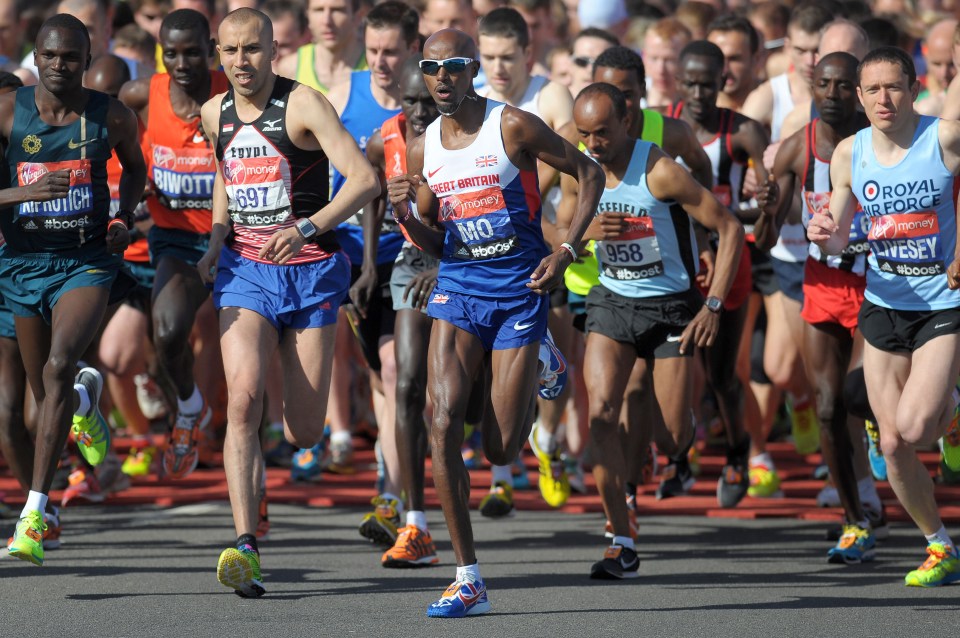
{"x":207,"y":266}
{"x":612,"y":225}
{"x":402,"y":189}
{"x":953,"y":274}
{"x":768,"y":194}
{"x":549,"y":274}
{"x":362,"y":291}
{"x":420,"y":287}
{"x":705,"y":276}
{"x":52,"y":185}
{"x":821,"y":228}
{"x":118,"y":238}
{"x":282,"y":246}
{"x":702,"y":331}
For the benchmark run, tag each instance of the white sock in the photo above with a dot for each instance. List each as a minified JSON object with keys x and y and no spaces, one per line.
{"x":35,"y":502}
{"x":418,"y":520}
{"x":341,"y":438}
{"x":623,"y":541}
{"x":83,"y":409}
{"x":391,"y":497}
{"x":865,"y":524}
{"x":193,"y":405}
{"x":868,"y":493}
{"x":469,"y":572}
{"x":501,"y":473}
{"x":763,"y":459}
{"x":546,"y":441}
{"x":940,"y":536}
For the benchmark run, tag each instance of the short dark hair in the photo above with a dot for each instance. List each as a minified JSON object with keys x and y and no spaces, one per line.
{"x":65,"y":21}
{"x":8,"y":80}
{"x":594,"y":32}
{"x":881,"y":32}
{"x":892,"y":55}
{"x":611,"y":92}
{"x":703,"y":49}
{"x":279,"y":8}
{"x":738,"y":24}
{"x":186,"y":20}
{"x":505,"y":22}
{"x":811,"y":16}
{"x":622,"y":59}
{"x":397,"y":15}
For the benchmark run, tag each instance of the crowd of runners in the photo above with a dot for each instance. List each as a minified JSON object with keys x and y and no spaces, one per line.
{"x":594,"y":233}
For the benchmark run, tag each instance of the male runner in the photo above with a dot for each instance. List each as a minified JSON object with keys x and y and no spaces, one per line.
{"x":730,"y":140}
{"x":480,"y":204}
{"x":940,"y":49}
{"x":336,"y":51}
{"x":413,"y":277}
{"x":662,"y":43}
{"x":742,"y":57}
{"x":902,"y":170}
{"x":833,"y":292}
{"x":59,"y":263}
{"x":646,"y":306}
{"x":279,"y":277}
{"x":181,"y":169}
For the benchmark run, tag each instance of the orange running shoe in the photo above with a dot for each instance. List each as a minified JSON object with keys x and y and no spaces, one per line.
{"x":414,"y":548}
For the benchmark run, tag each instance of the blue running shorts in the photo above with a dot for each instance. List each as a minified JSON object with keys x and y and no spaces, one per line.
{"x":501,"y":323}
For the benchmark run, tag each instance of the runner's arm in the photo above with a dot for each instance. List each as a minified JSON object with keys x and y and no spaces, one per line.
{"x":125,"y":140}
{"x":831,"y":230}
{"x":767,"y":229}
{"x":371,"y":222}
{"x":751,"y":138}
{"x":678,"y":135}
{"x":135,"y":94}
{"x":207,"y":266}
{"x":426,"y":231}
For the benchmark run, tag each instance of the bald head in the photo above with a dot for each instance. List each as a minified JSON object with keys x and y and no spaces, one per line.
{"x":107,"y":74}
{"x":839,"y":60}
{"x":244,"y":17}
{"x":449,"y":43}
{"x":95,"y":17}
{"x":844,"y":35}
{"x":939,"y":54}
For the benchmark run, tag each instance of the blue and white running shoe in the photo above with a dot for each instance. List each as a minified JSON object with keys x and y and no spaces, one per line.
{"x":306,"y":464}
{"x":462,"y":598}
{"x":553,"y":369}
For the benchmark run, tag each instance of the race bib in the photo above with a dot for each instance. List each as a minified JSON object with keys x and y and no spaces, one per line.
{"x":635,"y":254}
{"x":257,"y":190}
{"x":907,"y":244}
{"x":478,"y":225}
{"x":66,"y":213}
{"x":183,"y":177}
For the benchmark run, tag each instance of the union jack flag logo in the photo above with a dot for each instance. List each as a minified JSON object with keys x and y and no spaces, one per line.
{"x":439,"y":298}
{"x":486,"y":160}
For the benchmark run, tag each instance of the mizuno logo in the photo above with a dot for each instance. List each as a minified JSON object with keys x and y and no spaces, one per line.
{"x":272,"y":123}
{"x":72,"y":145}
{"x":519,"y":326}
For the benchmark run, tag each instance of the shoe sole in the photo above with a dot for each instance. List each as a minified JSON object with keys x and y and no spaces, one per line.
{"x":234,"y":571}
{"x":498,"y":512}
{"x":946,"y":581}
{"x":396,"y":563}
{"x":845,"y":559}
{"x":25,"y":556}
{"x":603,"y":574}
{"x":375,"y":533}
{"x":684,"y":490}
{"x":476,"y":610}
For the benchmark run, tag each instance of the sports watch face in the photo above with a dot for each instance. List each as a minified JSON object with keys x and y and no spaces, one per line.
{"x":713,"y":304}
{"x":306,"y":228}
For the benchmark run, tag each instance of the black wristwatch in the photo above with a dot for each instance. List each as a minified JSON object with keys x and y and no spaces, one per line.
{"x":714,"y":304}
{"x":306,"y":229}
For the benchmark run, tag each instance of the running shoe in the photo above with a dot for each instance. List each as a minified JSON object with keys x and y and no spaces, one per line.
{"x":263,"y":516}
{"x":618,"y":562}
{"x":27,"y":543}
{"x":575,"y":474}
{"x":856,"y":545}
{"x":734,"y":483}
{"x":554,"y":484}
{"x":878,"y":464}
{"x":877,"y":519}
{"x":472,"y":448}
{"x":828,"y":496}
{"x":941,"y":567}
{"x":139,"y":461}
{"x":306,"y":464}
{"x":764,"y":482}
{"x":181,"y":456}
{"x":380,"y":525}
{"x":91,"y":430}
{"x":676,"y":480}
{"x":150,"y":398}
{"x":340,"y":459}
{"x":83,"y":485}
{"x":462,"y":598}
{"x":239,"y":569}
{"x":650,"y":465}
{"x":51,"y":535}
{"x":277,"y":451}
{"x":499,"y":502}
{"x":950,"y":442}
{"x":553,"y":369}
{"x":805,"y":428}
{"x":414,"y":548}
{"x":519,"y":478}
{"x":946,"y":475}
{"x":631,"y":519}
{"x":110,"y":474}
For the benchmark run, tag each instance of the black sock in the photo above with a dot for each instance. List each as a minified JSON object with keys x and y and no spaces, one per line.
{"x":631,"y":489}
{"x":248,"y":539}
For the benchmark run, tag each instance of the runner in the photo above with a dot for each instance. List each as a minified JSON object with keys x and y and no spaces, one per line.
{"x":279,"y":277}
{"x":59,"y":262}
{"x":742,"y":57}
{"x":730,"y":140}
{"x":181,"y":168}
{"x":909,"y":316}
{"x":493,"y":274}
{"x":940,"y":52}
{"x":646,"y":306}
{"x":662,"y":43}
{"x":833,"y":294}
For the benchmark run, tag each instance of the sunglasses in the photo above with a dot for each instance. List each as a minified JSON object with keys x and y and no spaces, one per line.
{"x":583,"y":61}
{"x":451,"y":65}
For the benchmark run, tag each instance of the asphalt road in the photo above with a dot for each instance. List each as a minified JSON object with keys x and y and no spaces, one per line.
{"x":150,"y":572}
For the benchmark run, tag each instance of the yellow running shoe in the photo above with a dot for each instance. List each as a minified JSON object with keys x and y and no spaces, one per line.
{"x":950,"y":442}
{"x":554,"y":483}
{"x":27,"y":543}
{"x":380,"y":525}
{"x":240,"y":571}
{"x":414,"y":548}
{"x":138,"y":461}
{"x":805,"y":428}
{"x":764,"y":482}
{"x":941,"y":567}
{"x":499,"y":502}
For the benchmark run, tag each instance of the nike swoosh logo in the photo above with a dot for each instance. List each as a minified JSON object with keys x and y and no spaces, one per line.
{"x":432,"y":173}
{"x":674,"y":338}
{"x":74,"y":145}
{"x":518,"y":326}
{"x":942,"y":325}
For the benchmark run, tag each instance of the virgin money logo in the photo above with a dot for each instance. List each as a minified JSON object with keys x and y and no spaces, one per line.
{"x":31,"y":172}
{"x":883,"y":227}
{"x":234,"y":171}
{"x":164,"y":157}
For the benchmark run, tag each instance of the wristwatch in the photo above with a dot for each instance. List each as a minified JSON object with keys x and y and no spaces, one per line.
{"x":306,"y":229}
{"x":714,"y":304}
